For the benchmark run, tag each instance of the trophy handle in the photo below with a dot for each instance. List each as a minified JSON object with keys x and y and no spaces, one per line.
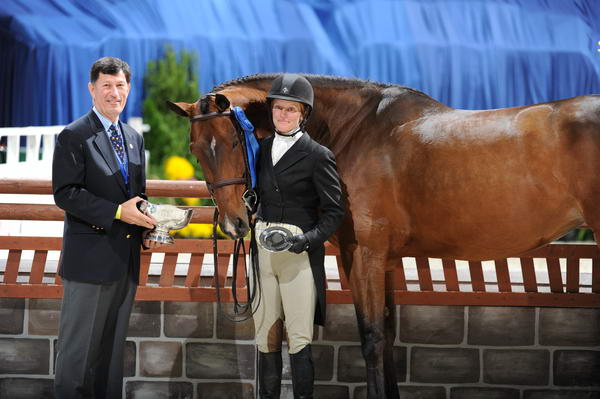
{"x":185,"y":221}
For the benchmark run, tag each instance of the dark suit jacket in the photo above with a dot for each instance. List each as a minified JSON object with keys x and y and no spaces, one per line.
{"x":303,"y":189}
{"x":88,"y":186}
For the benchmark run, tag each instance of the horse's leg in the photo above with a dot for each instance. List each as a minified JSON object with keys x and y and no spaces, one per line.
{"x":389,"y":365}
{"x":375,"y":312}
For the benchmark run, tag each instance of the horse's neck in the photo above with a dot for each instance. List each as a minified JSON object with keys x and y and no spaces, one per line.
{"x":337,"y":114}
{"x":343,"y":116}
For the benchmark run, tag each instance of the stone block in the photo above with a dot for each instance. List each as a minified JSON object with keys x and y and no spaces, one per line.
{"x":319,"y":391}
{"x":160,"y":359}
{"x":341,"y":324}
{"x":129,"y":359}
{"x":26,"y":388}
{"x":331,"y":392}
{"x":444,"y":365}
{"x":323,"y":359}
{"x":145,"y":319}
{"x":229,"y":390}
{"x":408,"y":392}
{"x":483,"y":393}
{"x":516,"y":367}
{"x":12,"y":311}
{"x":215,"y":361}
{"x":24,"y":356}
{"x":227,"y":329}
{"x":351,"y":364}
{"x":442,"y":325}
{"x":570,"y":394}
{"x":44,"y":315}
{"x":352,"y":367}
{"x":569,"y":326}
{"x":158,"y":390}
{"x":501,"y":326}
{"x":577,"y":368}
{"x":189,"y":319}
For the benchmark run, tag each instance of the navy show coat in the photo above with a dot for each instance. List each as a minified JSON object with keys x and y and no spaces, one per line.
{"x":88,"y":185}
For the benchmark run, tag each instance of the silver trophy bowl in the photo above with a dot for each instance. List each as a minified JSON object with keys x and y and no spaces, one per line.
{"x":275,"y":239}
{"x":168,"y":217}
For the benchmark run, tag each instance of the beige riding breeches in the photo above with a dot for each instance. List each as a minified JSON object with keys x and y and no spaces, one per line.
{"x":287,"y":297}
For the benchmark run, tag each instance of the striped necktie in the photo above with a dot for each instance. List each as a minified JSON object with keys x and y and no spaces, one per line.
{"x":117,"y":142}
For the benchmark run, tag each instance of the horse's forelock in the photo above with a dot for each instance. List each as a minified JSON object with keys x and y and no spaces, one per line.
{"x":204,"y":104}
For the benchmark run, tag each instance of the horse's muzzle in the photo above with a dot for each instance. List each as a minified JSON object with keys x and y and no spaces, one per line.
{"x":234,"y":227}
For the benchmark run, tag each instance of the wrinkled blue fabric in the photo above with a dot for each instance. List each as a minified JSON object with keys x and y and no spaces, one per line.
{"x":252,"y":146}
{"x":472,"y":54}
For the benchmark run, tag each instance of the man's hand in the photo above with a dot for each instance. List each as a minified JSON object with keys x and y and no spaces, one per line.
{"x":299,"y":244}
{"x":132,"y":215}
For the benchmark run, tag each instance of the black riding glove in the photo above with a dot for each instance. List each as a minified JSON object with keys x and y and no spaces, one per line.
{"x":299,"y":243}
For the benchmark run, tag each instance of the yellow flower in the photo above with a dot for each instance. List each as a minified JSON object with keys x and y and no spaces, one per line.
{"x":178,"y":168}
{"x":191,"y":201}
{"x":198,"y":230}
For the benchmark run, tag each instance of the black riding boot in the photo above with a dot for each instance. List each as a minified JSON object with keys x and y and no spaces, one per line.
{"x":303,"y":374}
{"x":269,"y":374}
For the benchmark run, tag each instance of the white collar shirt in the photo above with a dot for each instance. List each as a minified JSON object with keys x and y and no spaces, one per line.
{"x":281,"y":144}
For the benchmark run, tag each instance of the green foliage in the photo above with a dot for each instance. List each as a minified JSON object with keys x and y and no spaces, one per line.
{"x":584,"y":235}
{"x":169,"y":78}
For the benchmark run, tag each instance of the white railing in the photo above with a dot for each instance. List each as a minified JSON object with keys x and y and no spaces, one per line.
{"x":39,"y":149}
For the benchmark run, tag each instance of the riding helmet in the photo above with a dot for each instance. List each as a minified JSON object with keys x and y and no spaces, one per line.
{"x":292,"y":87}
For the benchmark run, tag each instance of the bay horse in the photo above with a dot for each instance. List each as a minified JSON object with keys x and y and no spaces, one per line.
{"x":420,"y":179}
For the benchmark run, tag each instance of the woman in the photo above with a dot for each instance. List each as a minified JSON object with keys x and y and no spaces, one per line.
{"x":299,"y":189}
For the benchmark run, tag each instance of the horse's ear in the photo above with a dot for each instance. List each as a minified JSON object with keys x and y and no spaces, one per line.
{"x":221,"y":102}
{"x":182,"y":109}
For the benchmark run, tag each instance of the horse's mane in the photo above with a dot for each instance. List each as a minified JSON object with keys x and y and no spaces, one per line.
{"x":330,"y":81}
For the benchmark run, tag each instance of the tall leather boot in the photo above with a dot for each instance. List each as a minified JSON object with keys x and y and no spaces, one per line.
{"x":303,"y":374}
{"x":269,"y":375}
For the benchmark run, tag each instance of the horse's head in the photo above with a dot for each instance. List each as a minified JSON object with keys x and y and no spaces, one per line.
{"x":216,"y":145}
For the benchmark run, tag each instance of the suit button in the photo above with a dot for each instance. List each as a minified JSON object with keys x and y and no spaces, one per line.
{"x":277,"y":189}
{"x":128,"y":236}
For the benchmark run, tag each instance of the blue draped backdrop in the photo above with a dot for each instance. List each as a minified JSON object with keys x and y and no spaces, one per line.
{"x":471,"y":54}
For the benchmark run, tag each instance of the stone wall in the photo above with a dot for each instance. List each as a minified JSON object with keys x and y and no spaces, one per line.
{"x":189,"y":350}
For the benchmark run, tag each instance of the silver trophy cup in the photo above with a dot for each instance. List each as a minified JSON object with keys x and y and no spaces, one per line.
{"x":168,"y":217}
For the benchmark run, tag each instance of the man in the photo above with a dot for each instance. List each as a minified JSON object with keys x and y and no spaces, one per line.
{"x":98,"y":178}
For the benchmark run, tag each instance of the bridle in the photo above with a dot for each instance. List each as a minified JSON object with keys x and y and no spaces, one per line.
{"x":249,"y":196}
{"x":225,"y":182}
{"x":250,"y":200}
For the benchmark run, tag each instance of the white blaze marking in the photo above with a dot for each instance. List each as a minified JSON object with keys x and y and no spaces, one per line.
{"x":213,"y":144}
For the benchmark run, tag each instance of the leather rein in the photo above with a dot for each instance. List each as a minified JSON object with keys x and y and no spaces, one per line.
{"x":242,"y":312}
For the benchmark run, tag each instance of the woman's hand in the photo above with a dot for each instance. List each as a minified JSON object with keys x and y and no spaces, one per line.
{"x":299,"y":244}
